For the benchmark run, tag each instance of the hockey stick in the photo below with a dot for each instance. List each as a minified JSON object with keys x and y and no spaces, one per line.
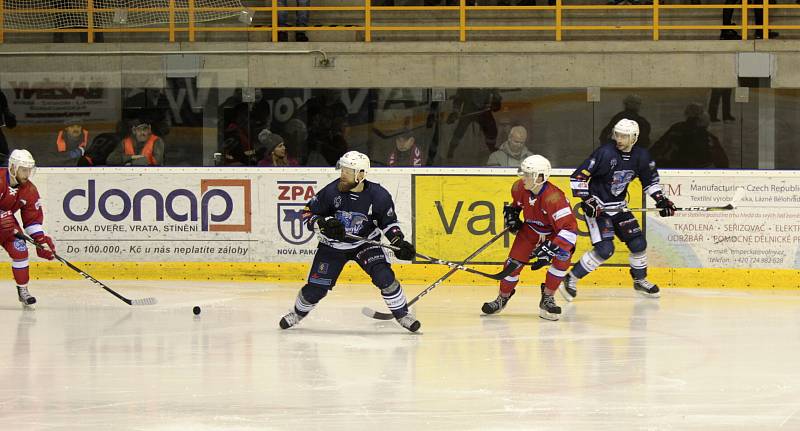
{"x":388,"y":316}
{"x":143,"y":301}
{"x":684,"y":209}
{"x":737,"y":196}
{"x":499,"y":276}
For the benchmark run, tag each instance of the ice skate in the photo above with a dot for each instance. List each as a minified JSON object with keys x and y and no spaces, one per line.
{"x":409,"y":322}
{"x":25,"y":297}
{"x":569,"y":287}
{"x":646,"y":288}
{"x":290,"y":319}
{"x":498,"y":304}
{"x":548,"y":309}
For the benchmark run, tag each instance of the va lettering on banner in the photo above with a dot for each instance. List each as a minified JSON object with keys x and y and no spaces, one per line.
{"x":467,"y":210}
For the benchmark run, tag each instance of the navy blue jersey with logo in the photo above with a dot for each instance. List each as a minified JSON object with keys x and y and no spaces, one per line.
{"x":366,"y":213}
{"x":607,"y":173}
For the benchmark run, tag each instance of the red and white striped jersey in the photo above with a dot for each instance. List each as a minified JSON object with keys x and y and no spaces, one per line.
{"x":547,"y":213}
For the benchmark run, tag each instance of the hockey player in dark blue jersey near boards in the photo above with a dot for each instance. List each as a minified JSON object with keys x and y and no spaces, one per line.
{"x":352,"y":205}
{"x":601,"y":182}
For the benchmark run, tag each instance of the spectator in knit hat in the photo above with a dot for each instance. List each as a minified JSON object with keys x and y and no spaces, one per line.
{"x":274,"y":149}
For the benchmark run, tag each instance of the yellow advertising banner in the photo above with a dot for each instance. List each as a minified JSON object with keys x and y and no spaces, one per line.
{"x":456,"y":214}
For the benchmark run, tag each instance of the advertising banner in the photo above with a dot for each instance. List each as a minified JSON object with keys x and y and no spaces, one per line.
{"x":190,"y":215}
{"x":52,"y":97}
{"x":457,"y":213}
{"x":763,"y":231}
{"x":254,"y":215}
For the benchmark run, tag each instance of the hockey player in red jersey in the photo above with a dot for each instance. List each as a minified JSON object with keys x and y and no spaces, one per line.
{"x":548,"y":233}
{"x":17,"y":192}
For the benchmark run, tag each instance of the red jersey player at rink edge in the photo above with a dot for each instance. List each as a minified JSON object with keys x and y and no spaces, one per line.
{"x":17,"y":192}
{"x":548,"y":232}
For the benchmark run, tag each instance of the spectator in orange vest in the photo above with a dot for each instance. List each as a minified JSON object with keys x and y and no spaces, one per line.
{"x":71,"y":143}
{"x":140,"y":148}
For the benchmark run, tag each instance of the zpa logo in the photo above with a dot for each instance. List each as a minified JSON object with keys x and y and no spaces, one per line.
{"x":212,"y":207}
{"x":292,"y":198}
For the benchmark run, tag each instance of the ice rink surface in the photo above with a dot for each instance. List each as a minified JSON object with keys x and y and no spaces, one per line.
{"x":692,"y":360}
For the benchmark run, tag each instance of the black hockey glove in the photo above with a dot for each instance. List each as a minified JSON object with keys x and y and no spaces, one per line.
{"x":591,"y":207}
{"x":332,"y":228}
{"x":666,"y":205}
{"x":539,"y":263}
{"x":406,"y":249}
{"x":548,"y":250}
{"x":511,"y":217}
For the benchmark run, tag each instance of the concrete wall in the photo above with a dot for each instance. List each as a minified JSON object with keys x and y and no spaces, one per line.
{"x":420,"y":64}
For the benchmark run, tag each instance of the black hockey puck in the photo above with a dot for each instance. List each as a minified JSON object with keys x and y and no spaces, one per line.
{"x":196,"y":310}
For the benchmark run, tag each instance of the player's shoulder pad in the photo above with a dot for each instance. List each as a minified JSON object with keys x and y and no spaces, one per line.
{"x":330,"y":186}
{"x":29,"y":188}
{"x":643,"y":156}
{"x":607,"y":149}
{"x":375,"y":187}
{"x":642,"y":152}
{"x":553,"y":195}
{"x":377,"y":191}
{"x":517,"y":186}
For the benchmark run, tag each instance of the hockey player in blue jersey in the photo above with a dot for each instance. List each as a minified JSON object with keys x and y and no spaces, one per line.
{"x":351,"y":205}
{"x":601,"y":182}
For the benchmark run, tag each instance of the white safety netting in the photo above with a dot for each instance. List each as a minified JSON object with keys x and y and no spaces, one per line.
{"x":47,"y":14}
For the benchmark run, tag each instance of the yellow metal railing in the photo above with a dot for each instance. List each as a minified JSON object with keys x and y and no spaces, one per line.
{"x":558,"y":27}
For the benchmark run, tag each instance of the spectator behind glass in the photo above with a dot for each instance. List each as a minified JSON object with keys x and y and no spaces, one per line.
{"x":237,"y":148}
{"x":513,"y":151}
{"x":632,"y":105}
{"x":274,"y":149}
{"x":7,"y":121}
{"x":141,"y":148}
{"x":689,"y":145}
{"x":474,"y":105}
{"x":70,"y":145}
{"x":97,"y":152}
{"x":406,"y":152}
{"x":727,"y":19}
{"x":300,"y":21}
{"x":326,"y":117}
{"x":717,"y":95}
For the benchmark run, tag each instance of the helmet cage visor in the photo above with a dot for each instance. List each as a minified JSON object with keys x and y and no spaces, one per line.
{"x":532,"y":178}
{"x":624,"y":138}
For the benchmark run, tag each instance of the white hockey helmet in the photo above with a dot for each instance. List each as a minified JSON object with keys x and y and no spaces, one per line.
{"x":626,"y":127}
{"x":21,"y":159}
{"x":358,"y":162}
{"x":534,"y":166}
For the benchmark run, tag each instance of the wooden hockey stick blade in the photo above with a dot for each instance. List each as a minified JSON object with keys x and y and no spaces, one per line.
{"x":377,"y":315}
{"x":372,"y":313}
{"x":144,"y":301}
{"x":389,"y":316}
